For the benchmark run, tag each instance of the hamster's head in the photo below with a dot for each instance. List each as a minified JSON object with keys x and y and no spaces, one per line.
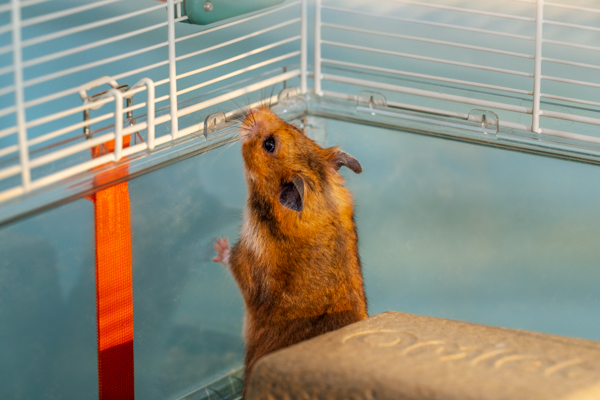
{"x":280,"y":161}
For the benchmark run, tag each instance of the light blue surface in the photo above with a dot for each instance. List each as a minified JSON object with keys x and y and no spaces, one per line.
{"x":48,"y":306}
{"x":473,"y":233}
{"x":187,"y":309}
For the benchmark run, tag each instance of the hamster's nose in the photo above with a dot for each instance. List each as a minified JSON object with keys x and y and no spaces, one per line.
{"x":251,"y":116}
{"x":249,"y":124}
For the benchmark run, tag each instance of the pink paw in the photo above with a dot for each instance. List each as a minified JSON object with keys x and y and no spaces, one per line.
{"x":222,"y":248}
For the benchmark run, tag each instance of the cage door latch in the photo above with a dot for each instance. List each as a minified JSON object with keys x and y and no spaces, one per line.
{"x":368,"y":101}
{"x":213,"y":122}
{"x":488,"y":119}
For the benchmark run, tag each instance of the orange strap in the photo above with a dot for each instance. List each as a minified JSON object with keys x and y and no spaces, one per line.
{"x":114,"y":294}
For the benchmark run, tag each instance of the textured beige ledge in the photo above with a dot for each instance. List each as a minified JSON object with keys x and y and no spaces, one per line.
{"x":403,"y":356}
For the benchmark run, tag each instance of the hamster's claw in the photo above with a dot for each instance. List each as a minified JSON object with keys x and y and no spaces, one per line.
{"x":222,"y":248}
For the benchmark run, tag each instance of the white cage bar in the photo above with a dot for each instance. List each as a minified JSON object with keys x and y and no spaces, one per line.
{"x":536,"y":110}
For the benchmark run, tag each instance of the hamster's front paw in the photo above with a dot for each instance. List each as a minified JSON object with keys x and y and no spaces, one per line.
{"x":222,"y":248}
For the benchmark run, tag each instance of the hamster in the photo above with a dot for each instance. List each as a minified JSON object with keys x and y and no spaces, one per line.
{"x":296,"y":262}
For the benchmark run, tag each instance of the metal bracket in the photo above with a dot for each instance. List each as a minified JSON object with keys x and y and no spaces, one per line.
{"x":287,"y":94}
{"x":368,"y":100}
{"x":214,"y":122}
{"x":488,"y":119}
{"x":94,"y":98}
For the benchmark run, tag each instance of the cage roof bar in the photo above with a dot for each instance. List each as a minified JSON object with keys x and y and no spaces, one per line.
{"x":239,"y":71}
{"x":434,"y":41}
{"x":236,"y":22}
{"x":466,"y":10}
{"x":432,"y":77}
{"x":570,"y":7}
{"x":238,"y":57}
{"x":79,"y":49}
{"x":92,"y":25}
{"x":423,"y":58}
{"x":426,"y":93}
{"x":239,"y":39}
{"x":430,"y":23}
{"x":66,"y":12}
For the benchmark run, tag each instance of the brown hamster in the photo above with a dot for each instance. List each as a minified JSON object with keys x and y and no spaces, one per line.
{"x":296,"y":262}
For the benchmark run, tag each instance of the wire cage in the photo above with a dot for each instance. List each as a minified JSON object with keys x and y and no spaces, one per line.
{"x":523,"y":71}
{"x":516,"y":74}
{"x":116,"y":51}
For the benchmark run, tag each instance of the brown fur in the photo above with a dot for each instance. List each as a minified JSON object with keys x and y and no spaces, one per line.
{"x":299,"y":272}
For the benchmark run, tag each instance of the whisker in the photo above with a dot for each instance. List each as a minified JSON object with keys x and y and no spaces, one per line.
{"x":271,"y":96}
{"x":236,"y":104}
{"x":262,"y":97}
{"x":242,"y":112}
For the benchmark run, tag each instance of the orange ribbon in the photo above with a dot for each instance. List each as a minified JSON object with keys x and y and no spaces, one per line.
{"x":114,"y":282}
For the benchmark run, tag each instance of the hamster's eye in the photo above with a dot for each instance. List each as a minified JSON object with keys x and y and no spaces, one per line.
{"x":269,"y":144}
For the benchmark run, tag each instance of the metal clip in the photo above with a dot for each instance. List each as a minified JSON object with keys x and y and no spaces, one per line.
{"x":288,"y":97}
{"x":368,"y":100}
{"x":94,"y":98}
{"x":287,"y":94}
{"x":213,"y":122}
{"x":95,"y":103}
{"x":488,"y":119}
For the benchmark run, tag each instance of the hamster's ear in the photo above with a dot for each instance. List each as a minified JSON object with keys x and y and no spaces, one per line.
{"x":346,"y":159}
{"x":292,"y":194}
